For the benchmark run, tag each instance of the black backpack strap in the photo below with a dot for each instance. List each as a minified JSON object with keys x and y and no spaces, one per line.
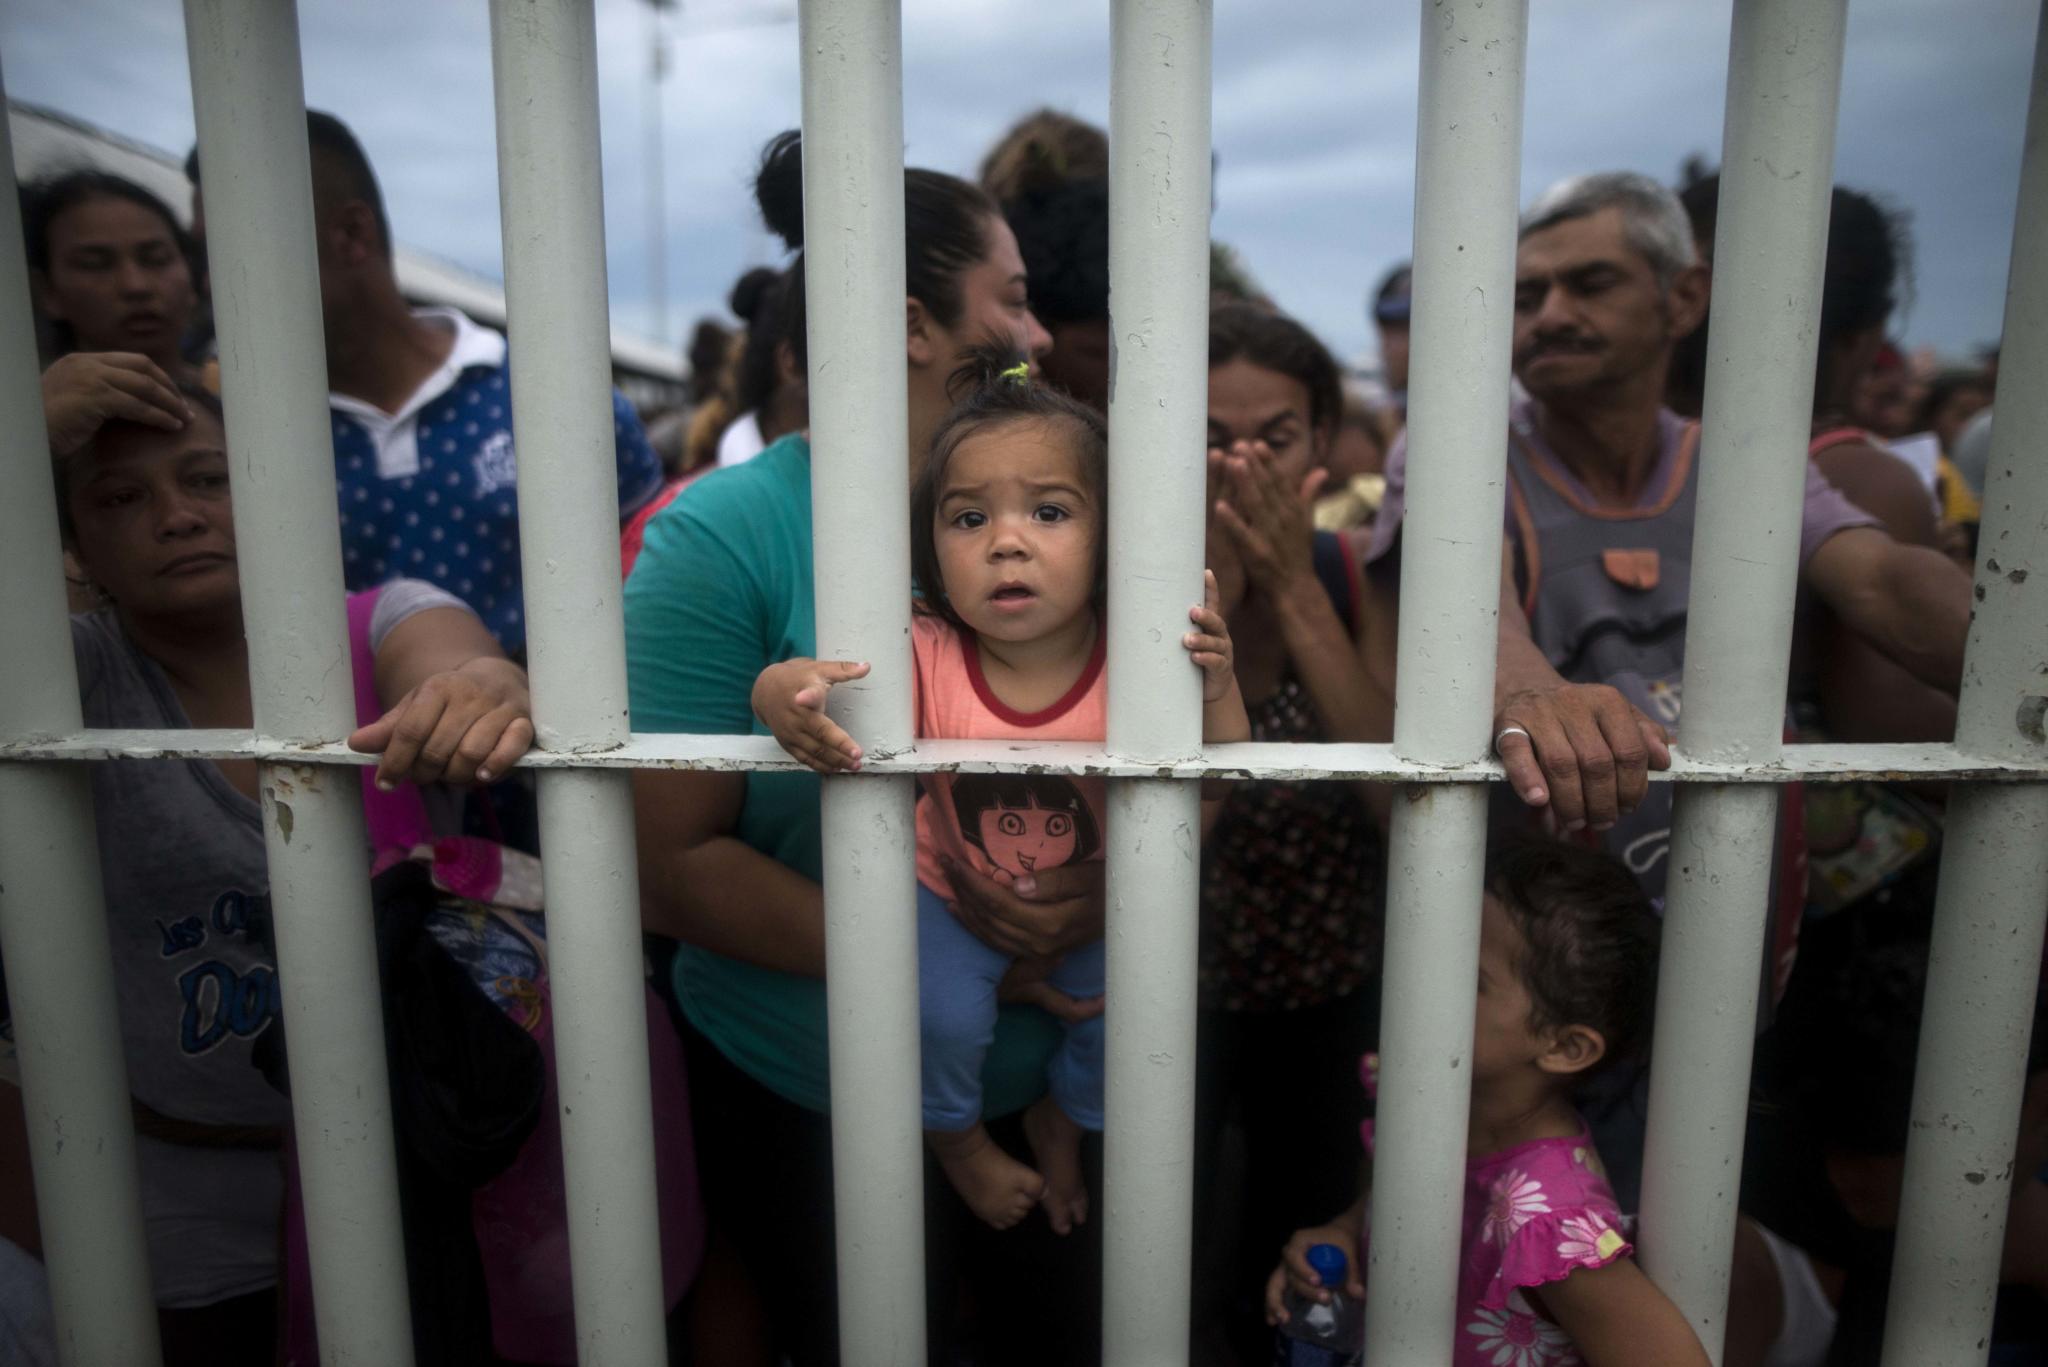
{"x":1331,"y":557}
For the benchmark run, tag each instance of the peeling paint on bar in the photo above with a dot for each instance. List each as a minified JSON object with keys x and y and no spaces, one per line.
{"x":544,"y":78}
{"x":1784,"y":78}
{"x":73,"y":1075}
{"x":1468,"y":155}
{"x":249,"y":109}
{"x":860,"y":438}
{"x":1158,"y":414}
{"x":1256,"y":760}
{"x":1990,"y":907}
{"x":245,"y":68}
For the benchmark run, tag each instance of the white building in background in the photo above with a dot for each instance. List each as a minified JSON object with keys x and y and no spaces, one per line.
{"x":47,"y":142}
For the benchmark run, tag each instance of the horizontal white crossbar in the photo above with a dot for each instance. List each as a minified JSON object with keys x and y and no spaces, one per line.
{"x":738,"y":754}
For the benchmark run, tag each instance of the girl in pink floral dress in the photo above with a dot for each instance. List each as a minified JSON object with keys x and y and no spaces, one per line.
{"x":1567,"y":970}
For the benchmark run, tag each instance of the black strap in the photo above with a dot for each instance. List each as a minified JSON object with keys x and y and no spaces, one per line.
{"x":1333,"y":568}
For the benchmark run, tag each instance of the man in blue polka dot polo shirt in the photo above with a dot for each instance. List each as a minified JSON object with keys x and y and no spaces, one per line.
{"x":422,"y":409}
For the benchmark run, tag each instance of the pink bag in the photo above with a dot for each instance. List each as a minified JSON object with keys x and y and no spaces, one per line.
{"x":520,"y":1217}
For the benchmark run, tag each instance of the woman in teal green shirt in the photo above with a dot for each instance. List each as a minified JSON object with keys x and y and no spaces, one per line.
{"x":729,"y":864}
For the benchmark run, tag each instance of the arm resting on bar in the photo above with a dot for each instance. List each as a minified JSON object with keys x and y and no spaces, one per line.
{"x":1911,"y":602}
{"x":1865,"y":696}
{"x":457,"y":709}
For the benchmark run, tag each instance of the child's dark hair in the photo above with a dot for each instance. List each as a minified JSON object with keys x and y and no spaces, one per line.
{"x":1590,"y":938}
{"x":974,"y":794}
{"x":993,"y":388}
{"x":945,"y":231}
{"x":1240,"y":331}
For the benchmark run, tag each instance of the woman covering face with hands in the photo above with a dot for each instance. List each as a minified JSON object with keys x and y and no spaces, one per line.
{"x":1291,"y":873}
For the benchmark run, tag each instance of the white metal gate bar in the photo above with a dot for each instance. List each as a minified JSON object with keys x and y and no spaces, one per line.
{"x":854,"y":269}
{"x":250,"y":109}
{"x":1984,"y":965}
{"x":53,"y":925}
{"x":1784,"y":72}
{"x":544,"y":74}
{"x":1253,"y":760}
{"x":1467,"y":171}
{"x":1159,"y":386}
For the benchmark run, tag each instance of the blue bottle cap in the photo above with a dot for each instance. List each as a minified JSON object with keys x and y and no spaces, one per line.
{"x":1329,"y":1262}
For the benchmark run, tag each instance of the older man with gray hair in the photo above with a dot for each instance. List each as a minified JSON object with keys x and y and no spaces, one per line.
{"x":1602,"y":485}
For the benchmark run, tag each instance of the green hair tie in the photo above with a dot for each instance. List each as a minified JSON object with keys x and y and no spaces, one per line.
{"x":1019,"y":373}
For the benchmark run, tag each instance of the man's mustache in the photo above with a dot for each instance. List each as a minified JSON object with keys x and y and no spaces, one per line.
{"x":1561,"y":344}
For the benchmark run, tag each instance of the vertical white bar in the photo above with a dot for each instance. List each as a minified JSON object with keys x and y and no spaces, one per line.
{"x":544,"y":69}
{"x":1983,"y":968}
{"x":854,"y":277}
{"x":60,"y":983}
{"x":1159,"y":380}
{"x":1467,"y":176}
{"x":1784,"y":76}
{"x":250,"y":108}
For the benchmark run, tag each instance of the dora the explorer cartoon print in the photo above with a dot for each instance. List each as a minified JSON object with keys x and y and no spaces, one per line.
{"x":1024,"y":823}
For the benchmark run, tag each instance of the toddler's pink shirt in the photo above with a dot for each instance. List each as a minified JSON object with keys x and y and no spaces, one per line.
{"x":1009,"y":824}
{"x":1534,"y":1214}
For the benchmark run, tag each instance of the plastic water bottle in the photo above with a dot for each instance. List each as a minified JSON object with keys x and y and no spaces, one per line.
{"x":1318,"y":1334}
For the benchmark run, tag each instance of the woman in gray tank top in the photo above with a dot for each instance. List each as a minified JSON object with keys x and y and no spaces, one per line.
{"x":146,"y":515}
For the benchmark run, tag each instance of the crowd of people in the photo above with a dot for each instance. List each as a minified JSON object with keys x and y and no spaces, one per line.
{"x":1008,"y":377}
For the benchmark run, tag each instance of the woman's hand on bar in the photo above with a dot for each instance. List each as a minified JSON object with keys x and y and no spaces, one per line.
{"x":1039,"y":917}
{"x":465,"y":725}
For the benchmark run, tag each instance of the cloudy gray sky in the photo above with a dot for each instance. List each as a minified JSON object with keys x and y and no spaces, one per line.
{"x":1314,"y":120}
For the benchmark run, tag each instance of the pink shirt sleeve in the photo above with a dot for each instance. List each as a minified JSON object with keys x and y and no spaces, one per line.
{"x":1827,"y":511}
{"x":1547,"y":1215}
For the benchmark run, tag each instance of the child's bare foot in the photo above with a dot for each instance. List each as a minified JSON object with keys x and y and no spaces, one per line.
{"x":1056,"y":1144}
{"x":994,"y":1185}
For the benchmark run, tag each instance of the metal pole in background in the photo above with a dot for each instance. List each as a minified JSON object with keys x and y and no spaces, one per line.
{"x":1784,"y":76}
{"x":1158,"y":413}
{"x":1467,"y":173}
{"x":251,"y":113}
{"x":60,"y":983}
{"x":544,"y":71}
{"x":860,"y":500}
{"x":1984,"y":963}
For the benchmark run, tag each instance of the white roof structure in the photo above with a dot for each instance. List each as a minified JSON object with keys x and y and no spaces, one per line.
{"x":47,"y":142}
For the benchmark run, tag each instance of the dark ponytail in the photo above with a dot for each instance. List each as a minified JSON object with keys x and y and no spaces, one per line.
{"x":945,"y":229}
{"x":993,"y":388}
{"x":757,"y":300}
{"x":779,"y":188}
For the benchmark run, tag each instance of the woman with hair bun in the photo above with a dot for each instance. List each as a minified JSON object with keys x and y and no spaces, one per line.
{"x":730,"y":863}
{"x":768,"y":392}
